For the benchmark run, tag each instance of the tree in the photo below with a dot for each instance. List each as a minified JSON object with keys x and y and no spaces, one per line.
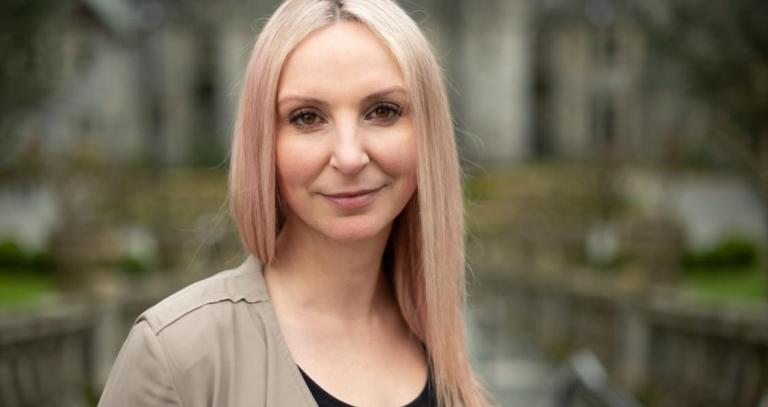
{"x":23,"y":80}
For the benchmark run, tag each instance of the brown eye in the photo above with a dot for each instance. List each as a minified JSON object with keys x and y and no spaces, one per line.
{"x":384,"y":112}
{"x":305,"y":118}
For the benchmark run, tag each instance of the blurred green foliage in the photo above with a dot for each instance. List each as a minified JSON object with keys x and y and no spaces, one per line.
{"x":727,"y":284}
{"x":23,"y":288}
{"x":729,"y":271}
{"x":733,"y":253}
{"x":25,"y":276}
{"x":14,"y":258}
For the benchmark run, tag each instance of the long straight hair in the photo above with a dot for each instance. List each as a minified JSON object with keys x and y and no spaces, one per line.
{"x":426,"y":247}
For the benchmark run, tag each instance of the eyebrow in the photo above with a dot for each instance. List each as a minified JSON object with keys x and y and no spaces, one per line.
{"x":373,"y":96}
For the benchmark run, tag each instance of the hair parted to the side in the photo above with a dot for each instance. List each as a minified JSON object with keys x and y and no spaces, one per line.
{"x":427,"y":242}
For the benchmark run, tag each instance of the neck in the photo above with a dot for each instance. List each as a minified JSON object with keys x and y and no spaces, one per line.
{"x":317,"y":275}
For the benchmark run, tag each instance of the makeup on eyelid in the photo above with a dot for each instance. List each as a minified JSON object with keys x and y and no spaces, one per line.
{"x":390,"y":110}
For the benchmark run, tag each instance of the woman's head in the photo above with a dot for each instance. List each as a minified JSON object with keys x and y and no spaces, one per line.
{"x":253,"y":175}
{"x":345,"y":142}
{"x":426,"y":241}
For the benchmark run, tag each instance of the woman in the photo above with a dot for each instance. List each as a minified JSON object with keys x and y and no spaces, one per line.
{"x":344,"y":182}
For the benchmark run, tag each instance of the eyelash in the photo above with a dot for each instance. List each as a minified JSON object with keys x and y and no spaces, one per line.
{"x":296,"y":116}
{"x":394,"y":110}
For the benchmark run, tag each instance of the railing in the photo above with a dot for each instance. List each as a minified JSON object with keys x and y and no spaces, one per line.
{"x":61,"y":355}
{"x":46,"y":360}
{"x":666,"y":350}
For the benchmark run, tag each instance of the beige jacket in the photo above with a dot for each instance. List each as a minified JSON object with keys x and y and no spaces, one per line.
{"x":214,"y":343}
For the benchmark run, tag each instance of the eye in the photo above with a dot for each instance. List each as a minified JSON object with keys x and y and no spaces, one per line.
{"x":305,"y":118}
{"x":384,"y":112}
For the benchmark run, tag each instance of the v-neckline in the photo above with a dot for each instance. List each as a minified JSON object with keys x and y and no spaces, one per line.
{"x":270,"y":316}
{"x":324,"y":393}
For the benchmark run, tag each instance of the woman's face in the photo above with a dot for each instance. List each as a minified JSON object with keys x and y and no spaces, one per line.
{"x":346,"y":149}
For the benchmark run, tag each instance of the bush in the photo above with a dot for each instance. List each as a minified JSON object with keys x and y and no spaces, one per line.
{"x":732,"y":253}
{"x":14,"y":258}
{"x":40,"y":262}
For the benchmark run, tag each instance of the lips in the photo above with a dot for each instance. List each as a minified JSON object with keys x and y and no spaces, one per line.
{"x":352,"y":199}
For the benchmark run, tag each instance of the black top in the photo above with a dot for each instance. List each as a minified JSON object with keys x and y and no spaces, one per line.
{"x":324,"y":399}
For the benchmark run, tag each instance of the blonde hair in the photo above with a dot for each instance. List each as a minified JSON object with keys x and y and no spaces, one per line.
{"x":426,"y":248}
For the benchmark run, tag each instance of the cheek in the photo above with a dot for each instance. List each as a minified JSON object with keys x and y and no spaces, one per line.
{"x":297,"y":162}
{"x":397,"y":156}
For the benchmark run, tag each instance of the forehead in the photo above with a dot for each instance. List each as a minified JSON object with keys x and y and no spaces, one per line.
{"x":343,"y":57}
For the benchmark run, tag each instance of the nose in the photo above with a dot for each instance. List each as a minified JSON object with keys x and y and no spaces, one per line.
{"x":349,"y":155}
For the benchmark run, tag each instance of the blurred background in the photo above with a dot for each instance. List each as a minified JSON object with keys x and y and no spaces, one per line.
{"x":616,"y":160}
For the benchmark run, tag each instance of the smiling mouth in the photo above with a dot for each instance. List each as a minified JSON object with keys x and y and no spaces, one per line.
{"x":353,"y":199}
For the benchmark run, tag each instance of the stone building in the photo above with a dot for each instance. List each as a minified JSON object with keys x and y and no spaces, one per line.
{"x":599,"y":88}
{"x":139,"y":81}
{"x":485,"y":48}
{"x":589,"y":80}
{"x":155,"y":81}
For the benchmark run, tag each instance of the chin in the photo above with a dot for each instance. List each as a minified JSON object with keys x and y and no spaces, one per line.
{"x":354,"y":230}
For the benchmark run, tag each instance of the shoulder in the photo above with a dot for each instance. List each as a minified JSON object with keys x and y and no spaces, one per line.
{"x":214,"y":294}
{"x":206,"y":329}
{"x":190,"y":347}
